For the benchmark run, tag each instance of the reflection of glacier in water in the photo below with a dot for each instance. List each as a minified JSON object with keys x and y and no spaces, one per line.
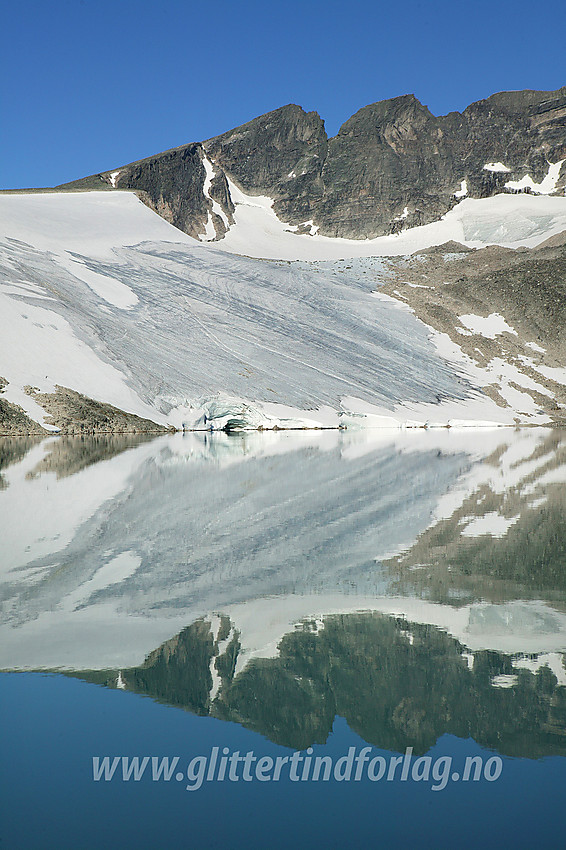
{"x":104,"y":561}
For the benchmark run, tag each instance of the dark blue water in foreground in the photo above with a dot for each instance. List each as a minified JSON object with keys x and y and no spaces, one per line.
{"x":271,"y":594}
{"x":53,"y":726}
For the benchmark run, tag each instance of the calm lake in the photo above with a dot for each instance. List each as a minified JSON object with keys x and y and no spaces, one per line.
{"x":263,"y":640}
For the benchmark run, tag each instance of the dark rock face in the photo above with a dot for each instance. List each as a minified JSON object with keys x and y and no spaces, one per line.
{"x":395,"y":155}
{"x":220,"y":192}
{"x":280,"y":154}
{"x":388,"y":156}
{"x":172,"y":186}
{"x":392,"y":165}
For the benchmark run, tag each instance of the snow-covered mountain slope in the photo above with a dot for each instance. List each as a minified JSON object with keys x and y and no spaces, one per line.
{"x":101,"y":297}
{"x":513,"y":221}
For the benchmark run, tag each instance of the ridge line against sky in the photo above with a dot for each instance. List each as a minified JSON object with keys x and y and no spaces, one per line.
{"x":88,"y":85}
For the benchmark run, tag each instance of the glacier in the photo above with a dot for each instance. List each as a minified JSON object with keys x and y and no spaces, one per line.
{"x":100,"y":295}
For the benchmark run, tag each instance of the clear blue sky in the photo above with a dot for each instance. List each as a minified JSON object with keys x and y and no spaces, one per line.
{"x":87,"y":85}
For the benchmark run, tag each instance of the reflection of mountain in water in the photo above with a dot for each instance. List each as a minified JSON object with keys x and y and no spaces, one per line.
{"x":506,"y":535}
{"x":69,"y":455}
{"x":397,"y":683}
{"x":103,"y":562}
{"x":414,"y":584}
{"x":13,"y":449}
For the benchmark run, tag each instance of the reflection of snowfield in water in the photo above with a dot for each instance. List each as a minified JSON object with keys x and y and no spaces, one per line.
{"x":127,"y":552}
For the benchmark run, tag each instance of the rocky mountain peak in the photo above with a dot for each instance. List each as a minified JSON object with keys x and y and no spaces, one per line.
{"x":371,"y":118}
{"x":392,"y":165}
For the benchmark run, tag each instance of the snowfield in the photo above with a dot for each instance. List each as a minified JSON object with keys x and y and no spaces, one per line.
{"x":509,"y":220}
{"x":100,"y":295}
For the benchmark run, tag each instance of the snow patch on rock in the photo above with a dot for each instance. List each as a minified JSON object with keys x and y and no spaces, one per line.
{"x":496,"y":167}
{"x":463,"y":190}
{"x":210,"y":234}
{"x":489,"y":326}
{"x":546,"y":187}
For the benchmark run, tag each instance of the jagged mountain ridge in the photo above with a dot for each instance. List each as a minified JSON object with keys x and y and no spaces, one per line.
{"x":392,"y":165}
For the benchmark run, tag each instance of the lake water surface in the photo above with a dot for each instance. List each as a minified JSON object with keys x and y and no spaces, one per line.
{"x":378,"y":618}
